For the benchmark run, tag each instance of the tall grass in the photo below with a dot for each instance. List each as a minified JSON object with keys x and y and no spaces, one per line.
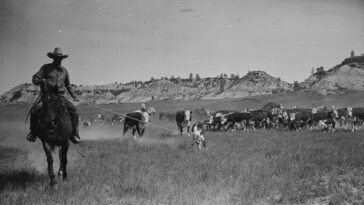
{"x":270,"y":167}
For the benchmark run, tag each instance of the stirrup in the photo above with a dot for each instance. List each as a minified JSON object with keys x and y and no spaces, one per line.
{"x":74,"y":140}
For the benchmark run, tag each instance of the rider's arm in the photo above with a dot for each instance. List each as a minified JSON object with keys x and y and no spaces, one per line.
{"x":39,"y":77}
{"x":69,"y":87}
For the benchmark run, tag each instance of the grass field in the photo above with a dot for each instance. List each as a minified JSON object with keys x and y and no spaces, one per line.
{"x":261,"y":167}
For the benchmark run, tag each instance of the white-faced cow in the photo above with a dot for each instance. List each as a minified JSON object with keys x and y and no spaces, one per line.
{"x":137,"y":121}
{"x":183,"y":119}
{"x":328,"y":116}
{"x":299,"y":117}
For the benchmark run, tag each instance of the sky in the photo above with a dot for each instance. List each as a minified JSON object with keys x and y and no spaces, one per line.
{"x":125,"y":40}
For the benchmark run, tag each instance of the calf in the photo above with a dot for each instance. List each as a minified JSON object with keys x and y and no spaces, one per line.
{"x":183,"y":119}
{"x":198,"y":135}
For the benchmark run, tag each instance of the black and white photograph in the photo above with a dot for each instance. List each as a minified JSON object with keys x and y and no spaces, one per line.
{"x":169,"y":102}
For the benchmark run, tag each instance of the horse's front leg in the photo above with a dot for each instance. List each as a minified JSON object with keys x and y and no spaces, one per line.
{"x":48,"y":151}
{"x":63,"y":161}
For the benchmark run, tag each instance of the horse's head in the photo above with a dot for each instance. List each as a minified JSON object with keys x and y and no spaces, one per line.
{"x":51,"y":106}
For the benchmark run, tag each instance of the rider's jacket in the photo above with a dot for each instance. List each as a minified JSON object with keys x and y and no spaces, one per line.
{"x":57,"y":79}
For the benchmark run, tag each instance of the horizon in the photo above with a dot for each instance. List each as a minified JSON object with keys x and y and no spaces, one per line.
{"x":121,"y":41}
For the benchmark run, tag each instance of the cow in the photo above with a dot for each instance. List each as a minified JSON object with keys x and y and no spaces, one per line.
{"x":183,"y":119}
{"x":283,"y":120}
{"x":252,"y":118}
{"x":198,"y":133}
{"x":86,"y":124}
{"x":101,"y":118}
{"x":328,"y":116}
{"x":215,"y":122}
{"x":137,"y":121}
{"x":259,"y":118}
{"x":232,"y":119}
{"x":345,"y":116}
{"x":117,"y":120}
{"x":299,"y":117}
{"x":358,"y":117}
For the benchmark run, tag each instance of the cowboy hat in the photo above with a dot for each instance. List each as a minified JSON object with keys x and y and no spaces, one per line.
{"x":57,"y":53}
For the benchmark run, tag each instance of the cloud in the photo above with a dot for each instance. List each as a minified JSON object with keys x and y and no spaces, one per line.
{"x":187,"y":10}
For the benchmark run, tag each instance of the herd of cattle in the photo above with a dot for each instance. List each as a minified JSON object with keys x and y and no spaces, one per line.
{"x":272,"y":115}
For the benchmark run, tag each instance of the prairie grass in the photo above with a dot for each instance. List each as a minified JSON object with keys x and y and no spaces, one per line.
{"x":261,"y":167}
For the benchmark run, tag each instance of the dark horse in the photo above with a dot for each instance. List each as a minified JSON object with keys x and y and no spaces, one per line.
{"x":54,"y":128}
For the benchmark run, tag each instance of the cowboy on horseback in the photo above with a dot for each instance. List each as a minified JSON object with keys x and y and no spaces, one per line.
{"x":54,"y":78}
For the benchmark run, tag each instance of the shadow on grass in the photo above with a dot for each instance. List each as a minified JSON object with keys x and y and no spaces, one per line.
{"x":19,"y":179}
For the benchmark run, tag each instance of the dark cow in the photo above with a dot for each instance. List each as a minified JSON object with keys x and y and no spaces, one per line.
{"x":261,"y":118}
{"x":198,"y":134}
{"x":253,"y":118}
{"x":183,"y":119}
{"x":230,"y":120}
{"x":137,"y":121}
{"x":358,"y":117}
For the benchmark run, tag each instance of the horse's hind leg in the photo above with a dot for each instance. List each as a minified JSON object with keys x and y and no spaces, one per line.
{"x":63,"y":162}
{"x":48,"y":151}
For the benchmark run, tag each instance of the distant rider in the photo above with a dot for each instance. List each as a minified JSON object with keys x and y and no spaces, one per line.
{"x":53,"y":77}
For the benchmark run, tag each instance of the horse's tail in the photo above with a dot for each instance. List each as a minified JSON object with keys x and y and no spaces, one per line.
{"x":33,"y":106}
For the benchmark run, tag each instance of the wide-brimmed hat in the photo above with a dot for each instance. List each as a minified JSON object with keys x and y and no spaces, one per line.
{"x":57,"y":53}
